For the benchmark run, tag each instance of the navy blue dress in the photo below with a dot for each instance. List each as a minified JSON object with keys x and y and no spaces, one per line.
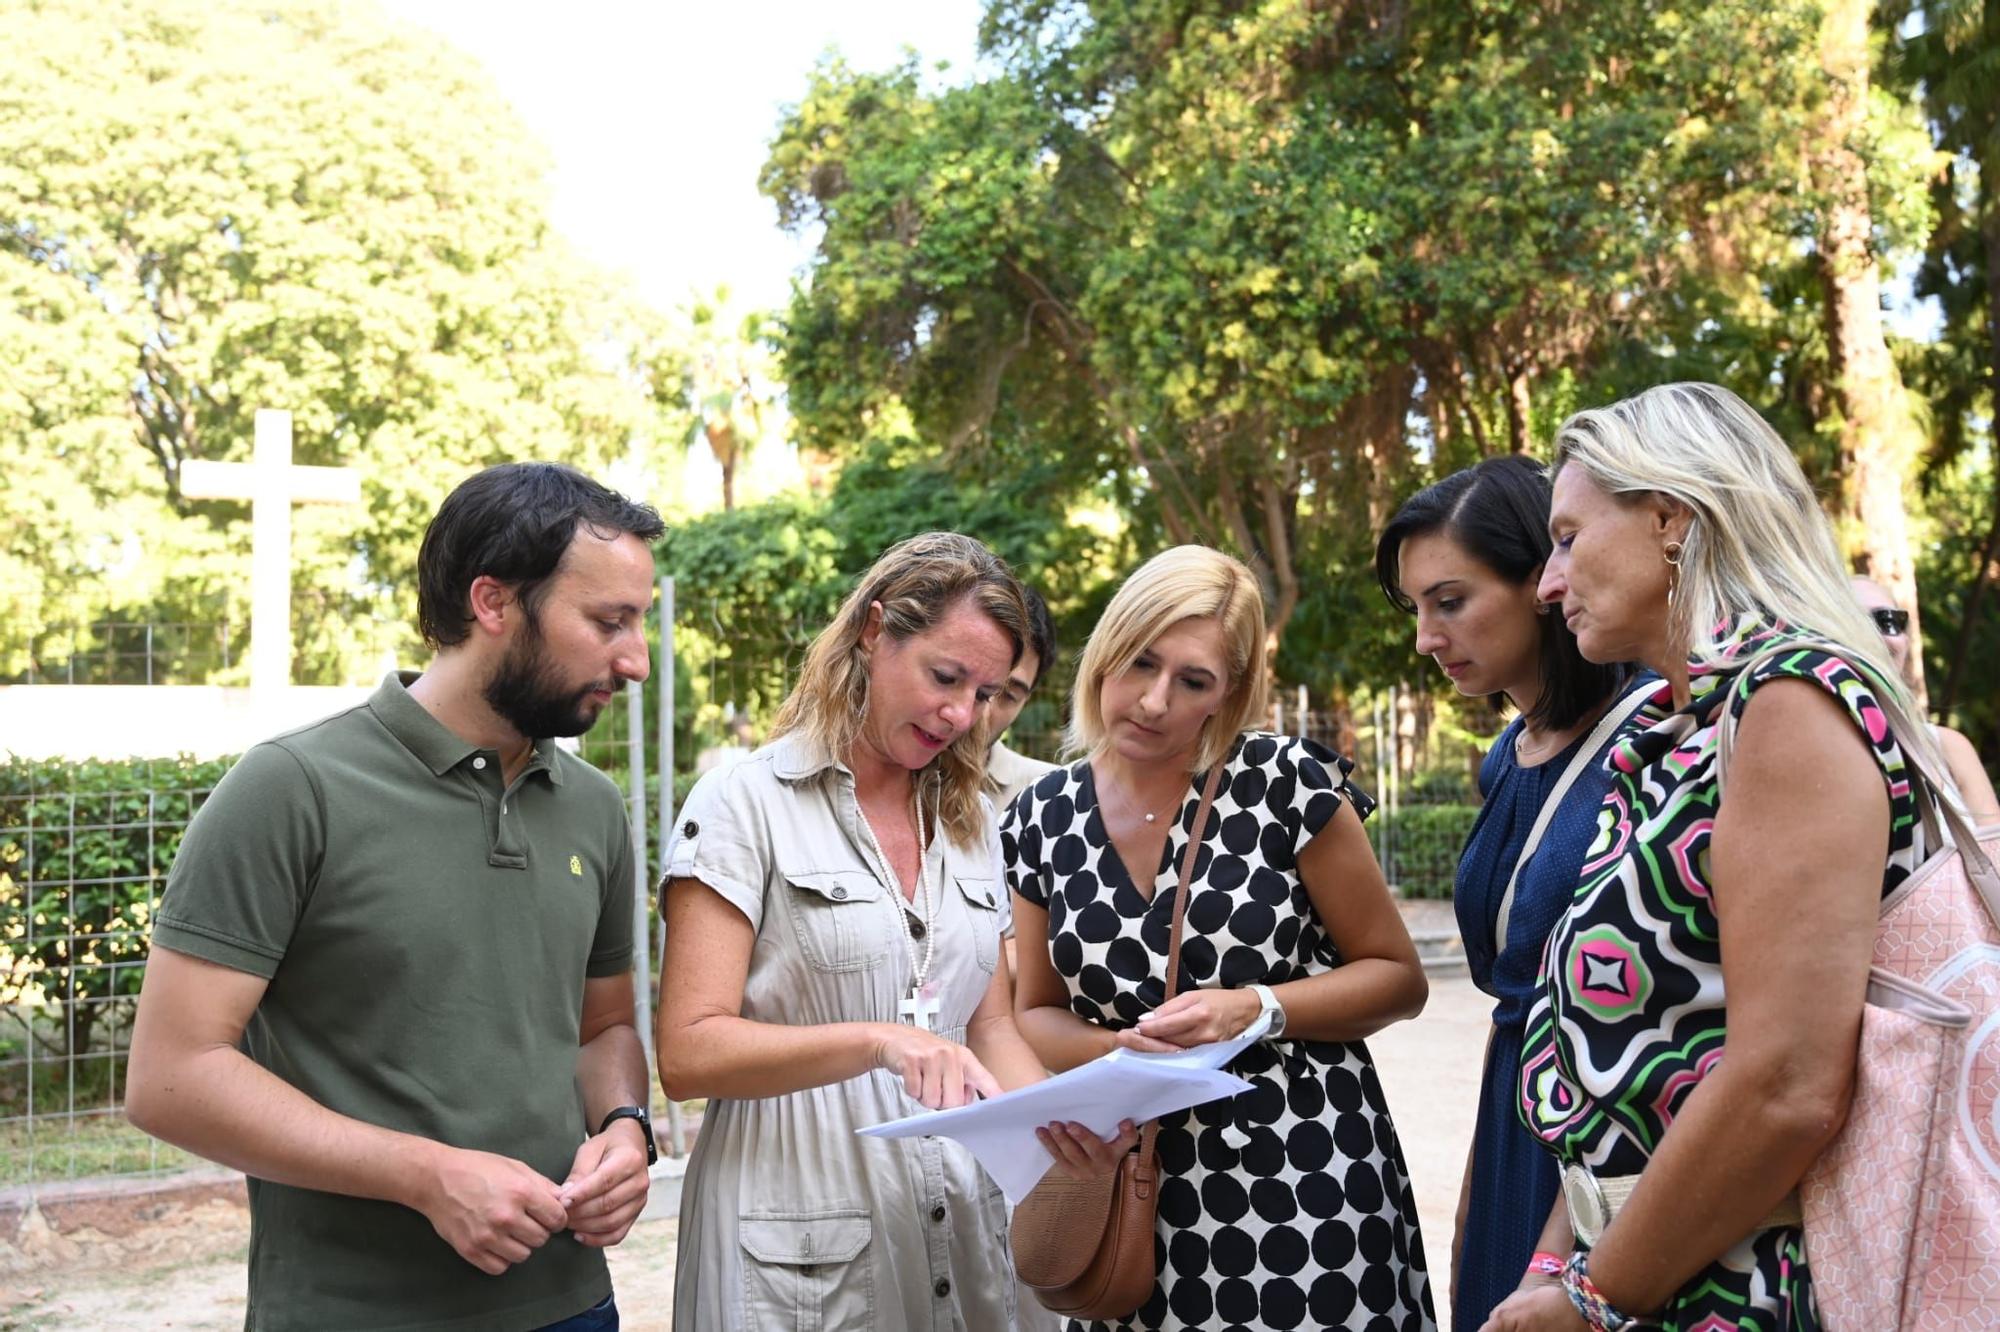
{"x":1513,"y":1176}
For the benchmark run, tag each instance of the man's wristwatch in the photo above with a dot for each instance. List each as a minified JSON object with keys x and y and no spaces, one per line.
{"x":1273,"y":1008}
{"x":637,"y":1112}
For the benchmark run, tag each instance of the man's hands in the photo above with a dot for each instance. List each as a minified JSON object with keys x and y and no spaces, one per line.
{"x":942,"y":1074}
{"x":494,"y":1211}
{"x":607,"y":1185}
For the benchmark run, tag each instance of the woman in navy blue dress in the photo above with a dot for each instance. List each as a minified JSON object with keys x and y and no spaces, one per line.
{"x":1464,"y":557}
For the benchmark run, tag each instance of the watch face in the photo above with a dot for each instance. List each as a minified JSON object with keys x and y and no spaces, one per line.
{"x":1275,"y":1011}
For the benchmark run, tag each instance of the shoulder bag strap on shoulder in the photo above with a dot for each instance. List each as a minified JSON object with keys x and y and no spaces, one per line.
{"x":1187,"y":875}
{"x":1146,"y":1138}
{"x":1607,"y":726}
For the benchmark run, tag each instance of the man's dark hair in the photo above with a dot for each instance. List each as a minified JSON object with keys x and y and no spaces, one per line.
{"x":1498,"y":513}
{"x":514,"y":523}
{"x":1041,"y":632}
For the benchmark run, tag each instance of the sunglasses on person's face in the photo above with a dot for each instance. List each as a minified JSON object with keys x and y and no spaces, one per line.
{"x":1892,"y":622}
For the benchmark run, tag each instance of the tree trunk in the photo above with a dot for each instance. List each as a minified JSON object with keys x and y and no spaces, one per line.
{"x":1879,"y":438}
{"x":1989,"y":554}
{"x":1519,"y":408}
{"x":722,"y":443}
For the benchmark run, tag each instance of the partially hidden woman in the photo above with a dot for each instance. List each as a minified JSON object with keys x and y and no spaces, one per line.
{"x":1287,"y":1206}
{"x":1968,"y":774}
{"x":1693,"y":1045}
{"x":1464,"y":556}
{"x":832,"y":961}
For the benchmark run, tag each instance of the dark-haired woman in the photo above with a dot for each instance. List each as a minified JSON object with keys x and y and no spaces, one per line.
{"x":1464,"y":557}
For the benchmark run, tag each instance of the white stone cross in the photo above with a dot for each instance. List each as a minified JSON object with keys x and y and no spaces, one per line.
{"x":920,"y":1010}
{"x":272,"y":484}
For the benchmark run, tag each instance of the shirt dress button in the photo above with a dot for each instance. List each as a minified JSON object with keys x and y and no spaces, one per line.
{"x":479,"y":763}
{"x":943,"y":1288}
{"x":840,"y":894}
{"x":937,"y":1213}
{"x":690,"y":828}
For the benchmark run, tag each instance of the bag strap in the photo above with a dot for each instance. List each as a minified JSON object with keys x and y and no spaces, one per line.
{"x":1187,"y":876}
{"x":1607,"y":726}
{"x":1152,"y":1129}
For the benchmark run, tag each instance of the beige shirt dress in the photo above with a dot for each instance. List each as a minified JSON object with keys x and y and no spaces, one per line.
{"x":788,"y":1218}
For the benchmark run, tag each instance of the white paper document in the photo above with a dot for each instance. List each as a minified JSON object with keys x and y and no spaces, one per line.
{"x":1121,"y":1085}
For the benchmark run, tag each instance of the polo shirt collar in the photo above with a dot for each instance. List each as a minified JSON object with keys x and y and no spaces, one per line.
{"x":436,"y":745}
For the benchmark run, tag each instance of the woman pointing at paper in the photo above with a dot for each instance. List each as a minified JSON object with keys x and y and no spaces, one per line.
{"x":1289,"y":1205}
{"x":832,"y":963}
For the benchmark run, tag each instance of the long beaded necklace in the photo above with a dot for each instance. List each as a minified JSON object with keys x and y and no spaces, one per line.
{"x":920,"y":1008}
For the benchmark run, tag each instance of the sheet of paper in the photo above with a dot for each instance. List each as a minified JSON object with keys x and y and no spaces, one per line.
{"x":1121,"y":1085}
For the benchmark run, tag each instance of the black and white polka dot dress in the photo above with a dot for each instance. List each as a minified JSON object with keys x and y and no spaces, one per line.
{"x":1288,"y":1206}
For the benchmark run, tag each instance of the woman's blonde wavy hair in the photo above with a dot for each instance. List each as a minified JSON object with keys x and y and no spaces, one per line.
{"x":917,"y":582}
{"x":1759,"y":540}
{"x":1184,"y":583}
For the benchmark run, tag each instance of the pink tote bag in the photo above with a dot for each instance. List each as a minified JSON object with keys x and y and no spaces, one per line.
{"x":1902,"y":1212}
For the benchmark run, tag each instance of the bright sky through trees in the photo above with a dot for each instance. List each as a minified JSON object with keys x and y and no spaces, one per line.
{"x":658,"y":116}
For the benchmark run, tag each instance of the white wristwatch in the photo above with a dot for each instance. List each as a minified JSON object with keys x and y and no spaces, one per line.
{"x":1272,"y":1009}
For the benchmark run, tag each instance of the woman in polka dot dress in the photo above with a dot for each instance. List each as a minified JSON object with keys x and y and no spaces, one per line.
{"x":1287,"y":1206}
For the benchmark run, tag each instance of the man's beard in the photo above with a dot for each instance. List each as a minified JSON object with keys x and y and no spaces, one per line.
{"x":531,"y":697}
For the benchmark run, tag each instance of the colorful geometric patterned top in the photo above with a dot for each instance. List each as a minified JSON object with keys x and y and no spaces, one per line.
{"x":1632,"y":1014}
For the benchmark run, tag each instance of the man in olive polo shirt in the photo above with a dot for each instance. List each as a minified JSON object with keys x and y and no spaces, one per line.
{"x":390,"y":978}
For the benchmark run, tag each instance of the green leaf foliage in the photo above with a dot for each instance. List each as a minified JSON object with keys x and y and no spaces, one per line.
{"x":1260,"y":270}
{"x":211,"y":208}
{"x":84,"y":852}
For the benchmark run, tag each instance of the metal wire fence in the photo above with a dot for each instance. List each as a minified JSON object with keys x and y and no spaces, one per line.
{"x":85,"y":846}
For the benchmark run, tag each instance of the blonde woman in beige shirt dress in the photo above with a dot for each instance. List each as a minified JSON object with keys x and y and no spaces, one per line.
{"x":833,"y":961}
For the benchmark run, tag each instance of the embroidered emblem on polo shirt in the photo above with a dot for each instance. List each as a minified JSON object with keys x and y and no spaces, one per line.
{"x":576,"y":866}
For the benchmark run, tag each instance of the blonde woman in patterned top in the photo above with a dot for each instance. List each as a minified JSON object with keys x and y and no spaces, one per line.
{"x":1692,"y":1048}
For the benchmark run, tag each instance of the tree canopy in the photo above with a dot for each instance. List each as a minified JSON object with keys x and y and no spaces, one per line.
{"x":212,"y":206}
{"x":1261,"y":270}
{"x":1154,"y":270}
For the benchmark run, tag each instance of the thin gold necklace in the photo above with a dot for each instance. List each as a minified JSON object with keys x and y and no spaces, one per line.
{"x":1130,"y":805}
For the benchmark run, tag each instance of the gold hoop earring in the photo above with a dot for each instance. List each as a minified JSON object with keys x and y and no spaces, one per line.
{"x":1671,"y":553}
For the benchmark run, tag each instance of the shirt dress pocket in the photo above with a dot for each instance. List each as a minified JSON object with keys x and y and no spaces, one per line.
{"x":838,"y":917}
{"x":809,"y":1271}
{"x":982,"y":912}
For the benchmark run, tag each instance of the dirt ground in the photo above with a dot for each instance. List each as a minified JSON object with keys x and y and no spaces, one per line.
{"x":1430,"y":1069}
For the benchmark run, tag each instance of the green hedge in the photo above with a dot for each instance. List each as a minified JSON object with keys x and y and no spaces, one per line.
{"x":84,"y":851}
{"x":85,"y":847}
{"x":1419,"y":846}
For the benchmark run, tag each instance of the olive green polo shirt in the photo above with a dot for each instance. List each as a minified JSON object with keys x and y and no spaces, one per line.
{"x":426,"y":931}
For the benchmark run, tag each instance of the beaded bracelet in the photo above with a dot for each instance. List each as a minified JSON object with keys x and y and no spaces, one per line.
{"x":1545,"y":1263}
{"x":1596,"y":1311}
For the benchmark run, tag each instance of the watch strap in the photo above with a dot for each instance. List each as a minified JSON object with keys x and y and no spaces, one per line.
{"x":1267,"y":1002}
{"x":637,"y":1112}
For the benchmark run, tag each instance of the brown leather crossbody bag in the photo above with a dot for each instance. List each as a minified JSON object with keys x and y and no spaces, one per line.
{"x":1085,"y":1246}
